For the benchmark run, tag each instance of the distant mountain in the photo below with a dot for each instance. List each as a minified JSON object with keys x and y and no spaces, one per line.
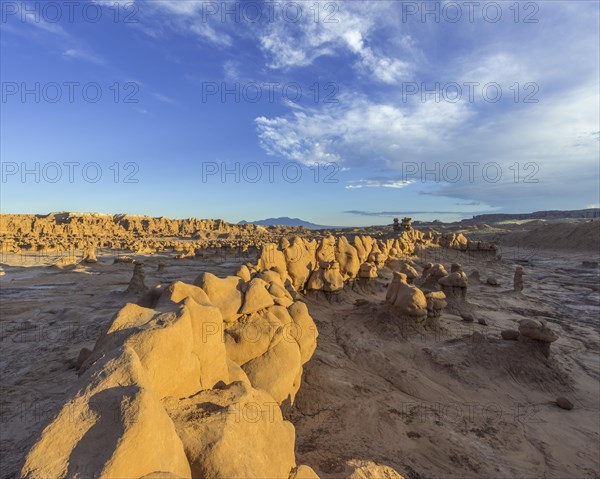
{"x":285,"y":221}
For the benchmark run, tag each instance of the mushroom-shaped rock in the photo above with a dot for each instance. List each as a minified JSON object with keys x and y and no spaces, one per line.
{"x":409,"y":271}
{"x":367,"y":271}
{"x":431,"y":276}
{"x":538,"y":333}
{"x":455,"y":287}
{"x":405,"y":299}
{"x":533,"y":329}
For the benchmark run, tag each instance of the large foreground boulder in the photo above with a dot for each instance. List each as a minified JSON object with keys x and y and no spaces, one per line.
{"x":113,"y":426}
{"x":224,"y":293}
{"x":181,"y":347}
{"x":279,"y":369}
{"x":234,"y":432}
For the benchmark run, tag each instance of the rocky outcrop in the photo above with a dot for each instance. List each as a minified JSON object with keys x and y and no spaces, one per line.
{"x":538,"y":334}
{"x":405,"y":300}
{"x":137,"y":285}
{"x":454,"y":287}
{"x":518,"y":281}
{"x":171,"y":388}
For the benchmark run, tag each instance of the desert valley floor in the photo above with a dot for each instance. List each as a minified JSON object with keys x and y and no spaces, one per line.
{"x":378,"y":399}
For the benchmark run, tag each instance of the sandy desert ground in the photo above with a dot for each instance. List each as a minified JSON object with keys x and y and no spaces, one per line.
{"x":380,"y":397}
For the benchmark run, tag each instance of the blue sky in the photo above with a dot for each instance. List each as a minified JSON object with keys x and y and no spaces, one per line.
{"x":153,"y":107}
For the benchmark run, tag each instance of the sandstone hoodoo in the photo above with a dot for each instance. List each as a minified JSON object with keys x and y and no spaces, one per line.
{"x":405,"y":300}
{"x":169,"y":365}
{"x":136,"y":285}
{"x":518,"y":279}
{"x":537,"y":333}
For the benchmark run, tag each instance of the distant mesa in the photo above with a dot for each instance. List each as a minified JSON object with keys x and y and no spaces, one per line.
{"x":285,"y":221}
{"x":538,"y":215}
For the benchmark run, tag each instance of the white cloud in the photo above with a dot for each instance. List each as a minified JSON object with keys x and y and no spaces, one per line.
{"x":156,"y":17}
{"x":358,"y":131}
{"x":379,"y":183}
{"x":79,"y":54}
{"x":164,"y":99}
{"x":347,"y":29}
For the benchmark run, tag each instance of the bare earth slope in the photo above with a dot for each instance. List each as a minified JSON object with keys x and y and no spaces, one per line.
{"x":453,"y":404}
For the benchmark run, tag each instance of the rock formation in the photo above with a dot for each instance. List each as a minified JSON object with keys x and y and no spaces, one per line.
{"x":190,"y":387}
{"x":431,"y":276}
{"x":436,"y":302}
{"x":89,"y":254}
{"x":136,"y":285}
{"x":518,"y":279}
{"x":537,"y":333}
{"x":405,"y":300}
{"x":454,"y":286}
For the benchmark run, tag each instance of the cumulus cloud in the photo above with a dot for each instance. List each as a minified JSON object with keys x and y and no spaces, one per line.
{"x":342,"y":27}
